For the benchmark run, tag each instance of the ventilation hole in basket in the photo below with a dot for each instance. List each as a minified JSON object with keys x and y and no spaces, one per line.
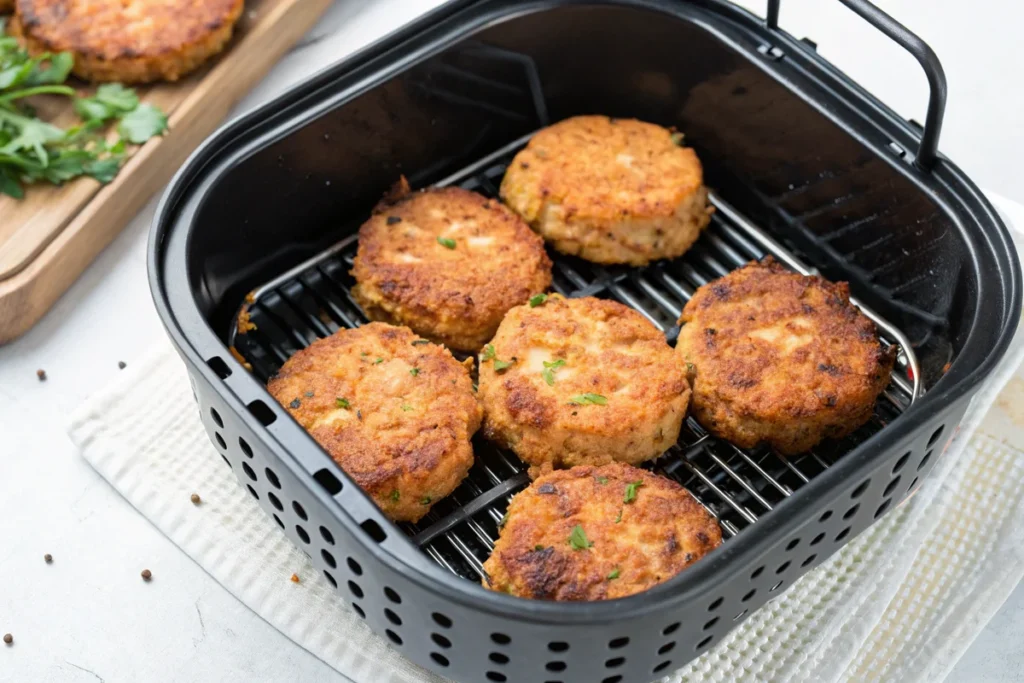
{"x":248,"y":471}
{"x":275,"y":501}
{"x":662,"y":666}
{"x":500,"y":638}
{"x":670,"y":629}
{"x":216,"y":418}
{"x":262,"y":412}
{"x":326,"y":535}
{"x":392,"y":636}
{"x":498,"y":658}
{"x":272,"y":478}
{"x":495,"y":676}
{"x":901,"y":462}
{"x":924,"y":461}
{"x":219,"y":367}
{"x":715,"y":605}
{"x":245,"y":448}
{"x":330,"y":579}
{"x":883,"y":507}
{"x":329,"y":559}
{"x":748,"y":595}
{"x":279,"y":522}
{"x":703,"y":643}
{"x":358,"y":571}
{"x":253,"y":492}
{"x":776,"y":587}
{"x":555,"y":666}
{"x":710,"y":624}
{"x":615,"y":662}
{"x":355,"y":589}
{"x":861,"y":488}
{"x":782,"y":567}
{"x":439,"y":658}
{"x":359,"y":610}
{"x":623,"y":642}
{"x":817,"y":539}
{"x":911,"y":487}
{"x":302,"y":533}
{"x":392,"y":595}
{"x":300,"y":511}
{"x":328,"y":481}
{"x":373,"y":530}
{"x":842,"y":534}
{"x":936,"y":435}
{"x":891,"y":487}
{"x":825,"y":516}
{"x":808,"y":561}
{"x":439,"y":619}
{"x":852,"y":511}
{"x":226,"y":460}
{"x":612,"y":679}
{"x":558,"y":646}
{"x":756,"y":573}
{"x":392,"y":617}
{"x":792,"y":544}
{"x":440,"y":640}
{"x":220,"y":440}
{"x":666,"y":648}
{"x":739,"y":616}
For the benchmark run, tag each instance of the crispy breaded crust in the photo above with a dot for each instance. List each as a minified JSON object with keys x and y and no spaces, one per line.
{"x":609,"y":350}
{"x":609,"y":190}
{"x":781,"y":358}
{"x":403,"y":435}
{"x":456,"y":296}
{"x":661,"y":532}
{"x":131,"y":42}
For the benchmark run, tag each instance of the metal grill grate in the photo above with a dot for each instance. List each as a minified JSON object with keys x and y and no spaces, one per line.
{"x":737,"y":486}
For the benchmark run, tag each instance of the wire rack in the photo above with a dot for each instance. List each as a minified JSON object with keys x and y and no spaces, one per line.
{"x":737,"y":486}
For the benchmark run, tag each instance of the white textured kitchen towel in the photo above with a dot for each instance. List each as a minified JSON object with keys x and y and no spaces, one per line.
{"x":900,"y":602}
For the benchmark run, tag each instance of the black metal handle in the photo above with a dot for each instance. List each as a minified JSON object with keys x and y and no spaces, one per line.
{"x":910,"y":42}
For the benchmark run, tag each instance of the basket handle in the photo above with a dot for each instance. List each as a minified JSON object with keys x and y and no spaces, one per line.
{"x":928,"y":148}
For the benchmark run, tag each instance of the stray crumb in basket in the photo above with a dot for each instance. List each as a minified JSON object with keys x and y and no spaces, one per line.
{"x":244,"y":323}
{"x":146,"y":575}
{"x":8,"y":638}
{"x":946,"y":367}
{"x":295,"y":578}
{"x":240,"y":358}
{"x":196,"y":500}
{"x":41,"y":374}
{"x":121,"y":365}
{"x":48,"y":558}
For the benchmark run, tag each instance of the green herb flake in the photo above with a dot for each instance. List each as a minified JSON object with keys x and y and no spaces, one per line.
{"x":414,"y":371}
{"x":308,"y":394}
{"x":502,"y":365}
{"x":677,"y":138}
{"x":407,"y":408}
{"x":578,"y":539}
{"x":342,"y":403}
{"x":488,"y":353}
{"x":589,"y":399}
{"x":295,"y":404}
{"x":538,"y":299}
{"x":602,"y":480}
{"x":614,"y":574}
{"x":446,"y":242}
{"x":427,"y":500}
{"x":503,"y":520}
{"x":538,"y":548}
{"x":631,"y":490}
{"x":549,"y":371}
{"x":619,"y":518}
{"x":420,"y":342}
{"x":378,"y":361}
{"x":364,"y":354}
{"x":395,"y":495}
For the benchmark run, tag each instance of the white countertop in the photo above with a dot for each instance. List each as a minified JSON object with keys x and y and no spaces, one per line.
{"x":89,"y":616}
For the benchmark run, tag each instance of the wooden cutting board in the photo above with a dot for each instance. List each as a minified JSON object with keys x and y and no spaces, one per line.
{"x":48,"y":238}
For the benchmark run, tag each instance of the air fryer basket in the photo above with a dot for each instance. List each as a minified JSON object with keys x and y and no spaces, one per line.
{"x":803,"y":164}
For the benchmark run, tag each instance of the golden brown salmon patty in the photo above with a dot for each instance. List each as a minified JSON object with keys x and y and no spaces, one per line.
{"x":449,"y":263}
{"x":609,"y":190}
{"x":597,"y":533}
{"x":130,"y":41}
{"x":6,"y":6}
{"x":395,"y":411}
{"x":581,"y":382}
{"x":781,"y":358}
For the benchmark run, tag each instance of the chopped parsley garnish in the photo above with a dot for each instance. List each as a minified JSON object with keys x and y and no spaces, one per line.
{"x":677,"y":138}
{"x":500,"y":365}
{"x":407,"y":408}
{"x":308,"y":394}
{"x":549,"y":371}
{"x":503,"y":520}
{"x":420,"y":342}
{"x":446,"y":242}
{"x":614,"y":574}
{"x":295,"y":404}
{"x":342,"y":403}
{"x":602,"y":480}
{"x":378,"y":361}
{"x":689,"y":367}
{"x":589,"y":399}
{"x":395,"y":495}
{"x":537,"y":299}
{"x":538,"y":548}
{"x":488,"y":352}
{"x":619,"y":518}
{"x":414,"y":371}
{"x":426,"y":500}
{"x":578,"y":539}
{"x":631,"y":490}
{"x":364,"y":354}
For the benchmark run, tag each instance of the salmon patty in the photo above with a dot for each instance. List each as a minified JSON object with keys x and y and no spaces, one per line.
{"x":597,"y":533}
{"x":609,"y":190}
{"x":781,"y":358}
{"x":447,"y":262}
{"x":133,"y":41}
{"x":581,"y":382}
{"x":393,"y":410}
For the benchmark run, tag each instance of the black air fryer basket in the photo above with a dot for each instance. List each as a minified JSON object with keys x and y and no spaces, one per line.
{"x":802,"y":164}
